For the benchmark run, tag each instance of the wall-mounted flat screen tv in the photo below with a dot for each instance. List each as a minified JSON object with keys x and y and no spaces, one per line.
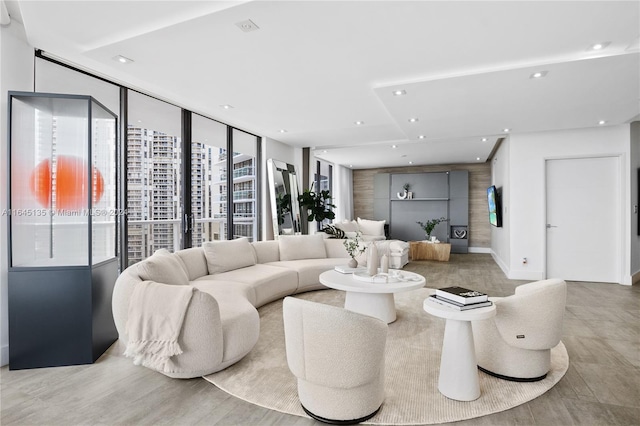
{"x":495,"y":212}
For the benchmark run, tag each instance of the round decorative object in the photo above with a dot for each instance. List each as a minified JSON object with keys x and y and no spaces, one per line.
{"x":402,"y":195}
{"x":70,"y":185}
{"x":352,"y":263}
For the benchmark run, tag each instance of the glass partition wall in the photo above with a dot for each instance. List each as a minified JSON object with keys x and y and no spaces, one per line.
{"x":182,"y":188}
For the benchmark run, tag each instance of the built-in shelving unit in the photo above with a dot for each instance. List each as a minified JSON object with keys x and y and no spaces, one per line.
{"x":435,"y":195}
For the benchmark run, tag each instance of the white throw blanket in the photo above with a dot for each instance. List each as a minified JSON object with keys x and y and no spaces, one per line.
{"x":156,"y":313}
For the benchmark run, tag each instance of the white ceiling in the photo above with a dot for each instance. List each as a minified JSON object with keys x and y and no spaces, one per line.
{"x":314,"y":68}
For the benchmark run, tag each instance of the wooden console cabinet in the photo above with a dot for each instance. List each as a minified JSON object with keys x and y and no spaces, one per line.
{"x":421,"y":250}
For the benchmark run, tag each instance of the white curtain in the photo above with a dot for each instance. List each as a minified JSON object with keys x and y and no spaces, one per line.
{"x":343,"y":193}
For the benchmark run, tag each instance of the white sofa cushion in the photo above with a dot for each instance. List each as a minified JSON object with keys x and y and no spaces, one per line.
{"x":194,"y":261}
{"x":296,"y":247}
{"x":269,"y":282}
{"x":163,"y":267}
{"x":223,"y":256}
{"x":335,"y":248}
{"x":347,"y":225}
{"x":266,"y":251}
{"x":371,"y":227}
{"x":309,"y":270}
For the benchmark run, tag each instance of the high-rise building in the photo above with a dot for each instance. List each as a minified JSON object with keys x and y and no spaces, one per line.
{"x":153,"y":191}
{"x":154,"y":185}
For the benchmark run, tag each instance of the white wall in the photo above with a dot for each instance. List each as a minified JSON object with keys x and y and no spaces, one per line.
{"x":634,"y":160}
{"x":16,"y":73}
{"x":527,"y":156}
{"x":276,"y":150}
{"x":500,"y":242}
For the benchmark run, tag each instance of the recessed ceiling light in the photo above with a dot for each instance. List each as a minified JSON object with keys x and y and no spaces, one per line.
{"x":477,"y":158}
{"x":283,"y":131}
{"x":538,"y":74}
{"x":359,"y":123}
{"x":601,"y":122}
{"x":122,"y":59}
{"x":226,"y":106}
{"x":599,"y":46}
{"x":139,"y":121}
{"x":506,"y":130}
{"x":421,"y":137}
{"x":350,"y":165}
{"x":399,"y":92}
{"x":410,"y":162}
{"x":394,"y":146}
{"x":325,"y":151}
{"x":483,"y":139}
{"x":413,"y":120}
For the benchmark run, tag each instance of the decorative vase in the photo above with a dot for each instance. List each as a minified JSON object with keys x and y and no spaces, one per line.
{"x":372,"y":259}
{"x":352,"y":263}
{"x":384,"y":264}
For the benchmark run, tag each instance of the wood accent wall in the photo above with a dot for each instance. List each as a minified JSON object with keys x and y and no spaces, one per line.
{"x":479,"y":181}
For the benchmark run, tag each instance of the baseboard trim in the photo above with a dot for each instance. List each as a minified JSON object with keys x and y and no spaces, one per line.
{"x":479,"y":250}
{"x":526,"y":275}
{"x":517,"y":274}
{"x":4,"y":355}
{"x":500,"y":263}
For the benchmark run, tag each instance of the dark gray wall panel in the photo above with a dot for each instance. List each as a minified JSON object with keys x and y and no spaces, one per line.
{"x":406,"y":213}
{"x":459,"y":184}
{"x":423,"y":185}
{"x":381,"y":188}
{"x":381,"y":210}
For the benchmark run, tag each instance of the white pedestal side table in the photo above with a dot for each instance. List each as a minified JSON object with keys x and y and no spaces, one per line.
{"x":371,"y":298}
{"x":458,"y":368}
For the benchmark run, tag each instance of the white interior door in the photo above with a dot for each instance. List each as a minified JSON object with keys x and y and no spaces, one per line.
{"x":583,"y":219}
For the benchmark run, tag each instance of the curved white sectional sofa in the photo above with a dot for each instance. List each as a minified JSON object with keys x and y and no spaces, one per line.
{"x":232,"y":279}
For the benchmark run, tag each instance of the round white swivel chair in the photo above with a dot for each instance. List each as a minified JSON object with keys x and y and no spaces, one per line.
{"x":338,"y":358}
{"x":516,"y":344}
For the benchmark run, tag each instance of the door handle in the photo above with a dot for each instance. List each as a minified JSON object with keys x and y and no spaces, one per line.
{"x":185,"y":224}
{"x":551,"y":226}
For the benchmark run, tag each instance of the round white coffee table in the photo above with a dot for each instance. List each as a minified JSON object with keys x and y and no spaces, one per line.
{"x":372,"y":298}
{"x":458,"y":368}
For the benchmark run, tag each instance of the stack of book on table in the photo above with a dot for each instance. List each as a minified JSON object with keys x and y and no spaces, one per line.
{"x":460,"y":298}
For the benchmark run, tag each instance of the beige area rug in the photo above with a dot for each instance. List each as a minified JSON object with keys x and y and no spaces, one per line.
{"x":412,"y":364}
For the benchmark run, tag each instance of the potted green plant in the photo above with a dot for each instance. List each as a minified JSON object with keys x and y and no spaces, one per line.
{"x":353,"y":247}
{"x":407,"y":192}
{"x":317,"y":205}
{"x":428,"y":226}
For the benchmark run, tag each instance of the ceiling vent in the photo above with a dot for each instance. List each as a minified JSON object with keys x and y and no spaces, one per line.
{"x":247,"y":26}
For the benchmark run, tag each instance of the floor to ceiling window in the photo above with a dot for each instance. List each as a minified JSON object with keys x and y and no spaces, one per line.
{"x":208,"y":180}
{"x":244,"y":178}
{"x":154,"y":155}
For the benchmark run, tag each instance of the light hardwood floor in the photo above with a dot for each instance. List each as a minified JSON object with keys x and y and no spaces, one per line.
{"x":601,"y":387}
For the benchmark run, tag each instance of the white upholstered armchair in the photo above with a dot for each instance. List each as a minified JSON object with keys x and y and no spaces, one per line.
{"x":338,"y":358}
{"x":516,"y":344}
